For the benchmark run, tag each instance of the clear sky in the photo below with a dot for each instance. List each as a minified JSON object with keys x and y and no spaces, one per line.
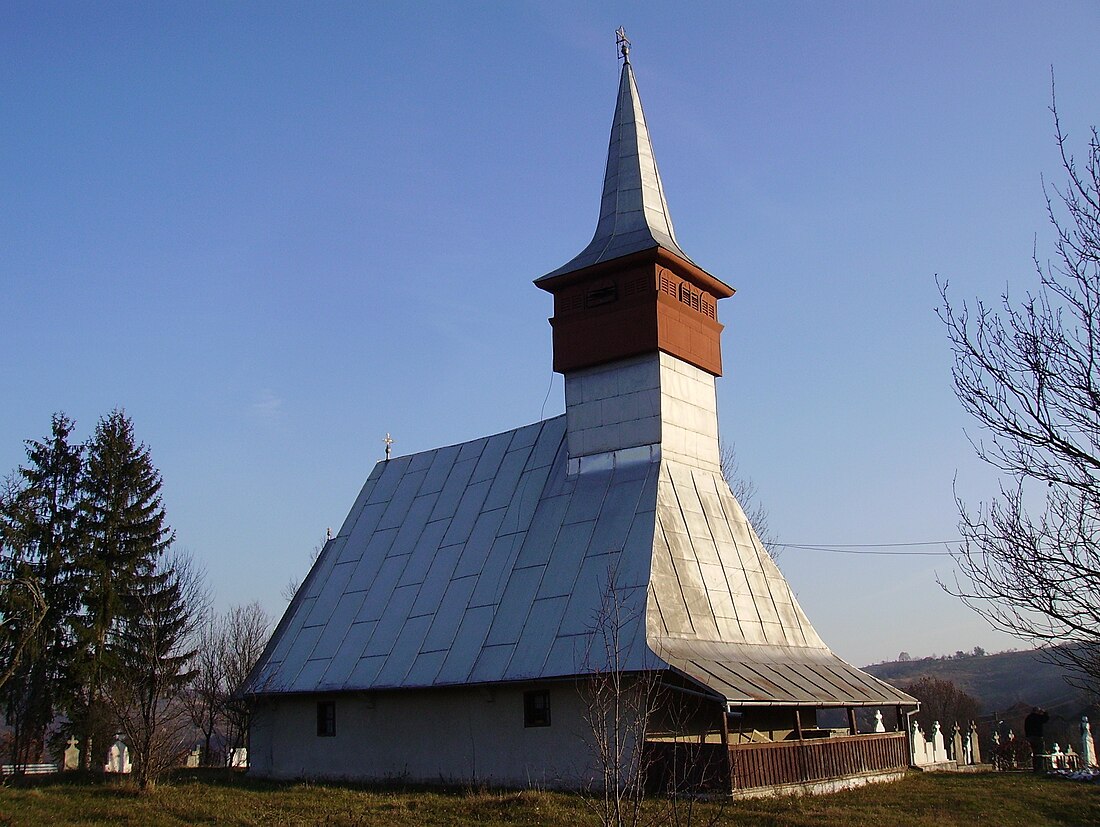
{"x":274,"y":232}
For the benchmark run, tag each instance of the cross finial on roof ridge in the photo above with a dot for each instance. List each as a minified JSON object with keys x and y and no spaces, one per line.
{"x":623,"y":44}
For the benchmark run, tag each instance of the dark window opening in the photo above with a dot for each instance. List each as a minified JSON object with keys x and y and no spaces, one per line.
{"x":326,"y":718}
{"x":603,"y":293}
{"x":536,"y":708}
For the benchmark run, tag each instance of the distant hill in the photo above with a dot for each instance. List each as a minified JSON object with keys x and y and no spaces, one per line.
{"x":998,"y":681}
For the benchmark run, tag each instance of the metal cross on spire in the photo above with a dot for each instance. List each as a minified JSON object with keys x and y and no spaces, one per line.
{"x":389,"y":442}
{"x":622,"y":43}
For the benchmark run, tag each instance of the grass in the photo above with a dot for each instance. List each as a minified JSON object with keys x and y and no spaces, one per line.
{"x":936,"y":800}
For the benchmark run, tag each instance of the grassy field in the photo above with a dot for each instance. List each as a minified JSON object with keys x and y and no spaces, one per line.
{"x":939,"y":800}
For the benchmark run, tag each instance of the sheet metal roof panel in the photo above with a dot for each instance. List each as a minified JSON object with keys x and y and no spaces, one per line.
{"x":454,"y":488}
{"x":493,"y":577}
{"x":403,"y":496}
{"x":467,"y":645}
{"x":361,"y":529}
{"x":480,"y":542}
{"x":391,"y":623}
{"x":536,"y":637}
{"x":503,"y":488}
{"x":338,"y":625}
{"x":380,"y":590}
{"x":347,"y":654}
{"x":777,"y":674}
{"x":436,"y":581}
{"x":416,"y":518}
{"x":543,"y":531}
{"x":515,"y":603}
{"x":330,"y":595}
{"x":525,"y":499}
{"x":564,"y":563}
{"x":443,"y":459}
{"x":423,"y":553}
{"x":392,"y":472}
{"x":492,"y":661}
{"x":374,"y":554}
{"x":549,"y":444}
{"x":525,"y":437}
{"x":468,"y":513}
{"x":449,"y":615}
{"x":403,"y":652}
{"x":424,"y":668}
{"x":488,"y":465}
{"x":297,"y":655}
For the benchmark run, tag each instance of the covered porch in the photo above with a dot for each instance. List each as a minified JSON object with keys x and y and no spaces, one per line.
{"x":758,"y":720}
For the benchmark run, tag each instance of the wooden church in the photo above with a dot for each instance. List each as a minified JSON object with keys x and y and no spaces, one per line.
{"x":458,"y":626}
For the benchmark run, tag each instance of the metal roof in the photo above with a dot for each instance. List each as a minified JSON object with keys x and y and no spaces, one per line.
{"x":634,"y":215}
{"x":487,"y":562}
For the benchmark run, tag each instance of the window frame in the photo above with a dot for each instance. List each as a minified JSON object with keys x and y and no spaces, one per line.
{"x":326,"y":719}
{"x":536,"y":708}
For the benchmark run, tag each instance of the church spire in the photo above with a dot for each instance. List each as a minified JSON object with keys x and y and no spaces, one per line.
{"x":633,"y":212}
{"x":632,"y":291}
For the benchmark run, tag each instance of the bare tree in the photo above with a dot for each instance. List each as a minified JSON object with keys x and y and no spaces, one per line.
{"x":246,"y":630}
{"x":618,"y":707}
{"x":1028,"y":371}
{"x":145,"y":693}
{"x":943,"y":701}
{"x":227,"y":647}
{"x":746,"y":493}
{"x":293,"y":584}
{"x":24,"y":609}
{"x":207,"y":694}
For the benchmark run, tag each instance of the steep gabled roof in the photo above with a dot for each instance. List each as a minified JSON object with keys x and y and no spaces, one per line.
{"x":479,"y":562}
{"x":487,"y":562}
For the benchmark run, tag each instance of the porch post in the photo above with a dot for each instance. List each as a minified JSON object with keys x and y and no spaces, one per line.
{"x":726,"y":744}
{"x":797,"y":724}
{"x":852,"y":729}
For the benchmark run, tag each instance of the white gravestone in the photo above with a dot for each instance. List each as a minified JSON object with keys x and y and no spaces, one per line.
{"x":1088,"y":746}
{"x":939,"y":750}
{"x":118,"y":757}
{"x":72,"y":756}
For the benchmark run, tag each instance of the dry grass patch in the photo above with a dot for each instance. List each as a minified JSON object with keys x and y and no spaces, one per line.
{"x":192,"y":799}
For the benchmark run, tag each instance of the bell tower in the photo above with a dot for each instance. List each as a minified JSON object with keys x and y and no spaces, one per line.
{"x":635,"y":324}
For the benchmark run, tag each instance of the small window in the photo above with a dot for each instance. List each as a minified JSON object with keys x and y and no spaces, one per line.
{"x":603,"y":292}
{"x":536,"y":708}
{"x":326,"y":719}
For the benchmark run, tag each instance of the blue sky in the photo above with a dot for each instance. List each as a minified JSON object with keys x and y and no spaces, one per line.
{"x":275,"y":232}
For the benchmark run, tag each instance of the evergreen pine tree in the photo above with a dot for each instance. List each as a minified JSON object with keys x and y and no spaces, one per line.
{"x":41,"y":539}
{"x":124,"y":522}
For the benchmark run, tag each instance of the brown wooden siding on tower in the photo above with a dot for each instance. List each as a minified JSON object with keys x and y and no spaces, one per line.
{"x":641,"y":308}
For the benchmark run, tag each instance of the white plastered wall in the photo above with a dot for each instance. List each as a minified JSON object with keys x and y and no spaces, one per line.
{"x":449,"y":735}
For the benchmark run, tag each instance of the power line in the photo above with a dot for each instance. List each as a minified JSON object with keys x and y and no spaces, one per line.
{"x":874,"y":548}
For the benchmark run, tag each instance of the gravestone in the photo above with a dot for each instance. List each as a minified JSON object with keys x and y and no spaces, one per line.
{"x":939,"y":749}
{"x":1088,"y":746}
{"x":957,"y":746}
{"x":975,"y":750}
{"x":71,"y":760}
{"x":193,"y":758}
{"x":879,"y":727}
{"x":118,"y":757}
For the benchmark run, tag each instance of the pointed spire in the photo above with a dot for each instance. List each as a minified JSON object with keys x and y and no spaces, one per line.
{"x":633,"y":211}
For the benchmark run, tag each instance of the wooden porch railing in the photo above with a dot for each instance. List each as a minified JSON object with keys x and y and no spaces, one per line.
{"x":680,"y":766}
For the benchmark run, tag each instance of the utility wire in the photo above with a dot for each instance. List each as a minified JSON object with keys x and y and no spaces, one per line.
{"x":873,"y":548}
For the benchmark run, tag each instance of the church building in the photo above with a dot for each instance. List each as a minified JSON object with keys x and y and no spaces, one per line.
{"x":479,"y":596}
